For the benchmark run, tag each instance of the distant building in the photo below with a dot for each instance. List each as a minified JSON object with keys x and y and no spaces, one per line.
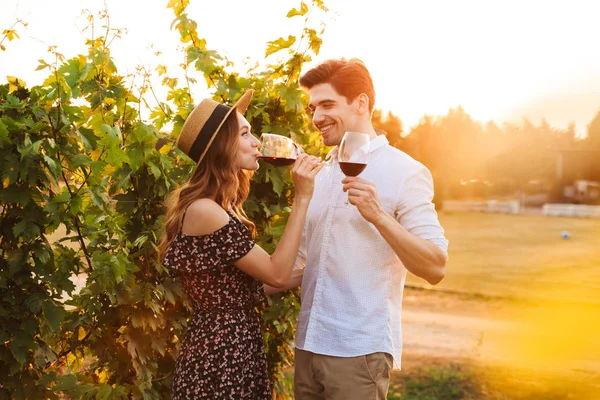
{"x":582,"y":192}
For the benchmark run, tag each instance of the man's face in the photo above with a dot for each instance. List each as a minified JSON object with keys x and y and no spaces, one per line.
{"x":332,"y":115}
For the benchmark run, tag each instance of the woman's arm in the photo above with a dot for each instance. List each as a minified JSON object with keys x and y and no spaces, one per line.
{"x":275,"y":270}
{"x":294,"y":281}
{"x":205,"y":216}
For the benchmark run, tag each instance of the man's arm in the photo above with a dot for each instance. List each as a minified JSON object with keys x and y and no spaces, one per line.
{"x":415,"y":234}
{"x":421,"y":257}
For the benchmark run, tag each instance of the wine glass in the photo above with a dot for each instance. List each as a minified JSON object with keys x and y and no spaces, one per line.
{"x":278,"y":150}
{"x":353,"y":153}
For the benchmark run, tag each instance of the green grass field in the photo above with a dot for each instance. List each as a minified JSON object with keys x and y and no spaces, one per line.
{"x":455,"y":381}
{"x":553,"y":290}
{"x":522,"y":256}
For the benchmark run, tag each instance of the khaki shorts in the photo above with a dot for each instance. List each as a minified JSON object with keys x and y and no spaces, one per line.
{"x":318,"y":376}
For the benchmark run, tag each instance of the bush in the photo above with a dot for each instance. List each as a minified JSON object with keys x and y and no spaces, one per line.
{"x":76,"y":155}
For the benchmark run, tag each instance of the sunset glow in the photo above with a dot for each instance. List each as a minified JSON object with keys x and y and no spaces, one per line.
{"x":499,"y":60}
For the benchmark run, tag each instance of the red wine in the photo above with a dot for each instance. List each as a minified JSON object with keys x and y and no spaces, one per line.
{"x":278,"y":161}
{"x":352,"y":168}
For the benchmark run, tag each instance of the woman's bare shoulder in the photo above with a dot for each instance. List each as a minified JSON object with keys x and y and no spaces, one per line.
{"x":204,"y":216}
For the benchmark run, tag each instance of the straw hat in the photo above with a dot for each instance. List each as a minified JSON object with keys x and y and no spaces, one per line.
{"x":203,"y":123}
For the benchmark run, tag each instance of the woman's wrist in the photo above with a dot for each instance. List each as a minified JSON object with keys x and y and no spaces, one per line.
{"x":301,"y":201}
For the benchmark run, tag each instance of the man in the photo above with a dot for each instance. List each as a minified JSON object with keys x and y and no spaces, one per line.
{"x":356,"y":257}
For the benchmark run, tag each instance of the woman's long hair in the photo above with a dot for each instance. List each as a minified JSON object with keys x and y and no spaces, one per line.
{"x":218,"y":177}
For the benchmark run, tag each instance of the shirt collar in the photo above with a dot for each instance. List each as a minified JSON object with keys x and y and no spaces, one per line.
{"x":376,"y":143}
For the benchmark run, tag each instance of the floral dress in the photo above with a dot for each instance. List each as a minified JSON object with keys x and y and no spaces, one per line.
{"x":222,"y":355}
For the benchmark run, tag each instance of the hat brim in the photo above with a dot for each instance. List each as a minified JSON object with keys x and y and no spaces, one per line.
{"x":240,"y":106}
{"x":204,"y":122}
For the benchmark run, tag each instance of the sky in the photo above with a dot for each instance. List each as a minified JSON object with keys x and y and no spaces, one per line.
{"x":501,"y":60}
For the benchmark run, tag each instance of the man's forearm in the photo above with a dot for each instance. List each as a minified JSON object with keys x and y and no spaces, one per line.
{"x":421,"y":257}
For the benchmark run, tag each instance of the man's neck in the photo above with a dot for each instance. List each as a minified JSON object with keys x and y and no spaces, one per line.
{"x":367,"y":127}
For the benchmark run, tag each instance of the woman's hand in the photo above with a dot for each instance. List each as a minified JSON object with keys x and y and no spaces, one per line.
{"x":303,"y":173}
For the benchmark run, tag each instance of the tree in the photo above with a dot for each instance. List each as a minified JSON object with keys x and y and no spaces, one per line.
{"x":76,"y":155}
{"x":593,"y":132}
{"x":390,"y":126}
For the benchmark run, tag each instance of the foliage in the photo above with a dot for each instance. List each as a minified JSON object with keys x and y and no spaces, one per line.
{"x":447,"y":383}
{"x":84,"y":179}
{"x":11,"y":33}
{"x":390,"y":126}
{"x":76,"y":157}
{"x":460,"y":151}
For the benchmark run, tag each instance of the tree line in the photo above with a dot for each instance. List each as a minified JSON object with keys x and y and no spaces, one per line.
{"x":470,"y":159}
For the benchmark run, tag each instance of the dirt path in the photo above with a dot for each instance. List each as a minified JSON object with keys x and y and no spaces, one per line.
{"x":461,"y":327}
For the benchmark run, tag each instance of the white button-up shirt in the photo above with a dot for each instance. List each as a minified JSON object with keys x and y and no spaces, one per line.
{"x":353,"y":280}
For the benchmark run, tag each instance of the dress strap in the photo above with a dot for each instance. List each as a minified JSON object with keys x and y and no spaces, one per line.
{"x":181,"y":222}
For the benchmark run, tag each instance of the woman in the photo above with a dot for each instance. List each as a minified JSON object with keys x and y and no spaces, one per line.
{"x":208,"y":243}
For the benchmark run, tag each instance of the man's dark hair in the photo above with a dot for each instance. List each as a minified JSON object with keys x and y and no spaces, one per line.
{"x":349,"y":78}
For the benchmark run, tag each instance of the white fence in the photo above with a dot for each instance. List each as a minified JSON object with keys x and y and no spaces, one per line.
{"x":571,"y":210}
{"x":490,"y":206}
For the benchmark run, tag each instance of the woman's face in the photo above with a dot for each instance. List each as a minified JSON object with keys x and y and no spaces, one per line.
{"x":248,"y":149}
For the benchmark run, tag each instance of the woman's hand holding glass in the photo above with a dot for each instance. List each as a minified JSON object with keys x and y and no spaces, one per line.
{"x":304,"y":172}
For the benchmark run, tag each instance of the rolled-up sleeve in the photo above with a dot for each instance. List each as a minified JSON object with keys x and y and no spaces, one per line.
{"x":415,"y":210}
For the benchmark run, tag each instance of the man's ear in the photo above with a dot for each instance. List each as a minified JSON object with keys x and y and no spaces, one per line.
{"x":362,"y":103}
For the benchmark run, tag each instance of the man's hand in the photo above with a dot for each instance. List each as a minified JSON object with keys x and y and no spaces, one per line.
{"x":363,"y":194}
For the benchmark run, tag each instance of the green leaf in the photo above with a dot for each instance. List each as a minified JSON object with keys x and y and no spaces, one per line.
{"x":104,"y":392}
{"x":66,"y":382}
{"x":52,"y":165}
{"x":35,"y":146}
{"x":289,"y":94}
{"x":111,"y":135}
{"x":154,"y":169}
{"x":88,"y":138}
{"x":43,"y":252}
{"x":79,"y":160}
{"x":21,"y":345}
{"x":3,"y":133}
{"x":143,"y":133}
{"x":76,"y":204}
{"x":19,"y":228}
{"x":193,"y":53}
{"x":70,"y":71}
{"x":136,"y":158}
{"x":119,"y":269}
{"x":116,"y":156}
{"x":34,"y":303}
{"x":62,"y":197}
{"x":207,"y":61}
{"x":293,"y":12}
{"x":54,"y":315}
{"x":280,"y":44}
{"x":140,"y":241}
{"x":15,"y":260}
{"x":15,"y":195}
{"x":274,"y":177}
